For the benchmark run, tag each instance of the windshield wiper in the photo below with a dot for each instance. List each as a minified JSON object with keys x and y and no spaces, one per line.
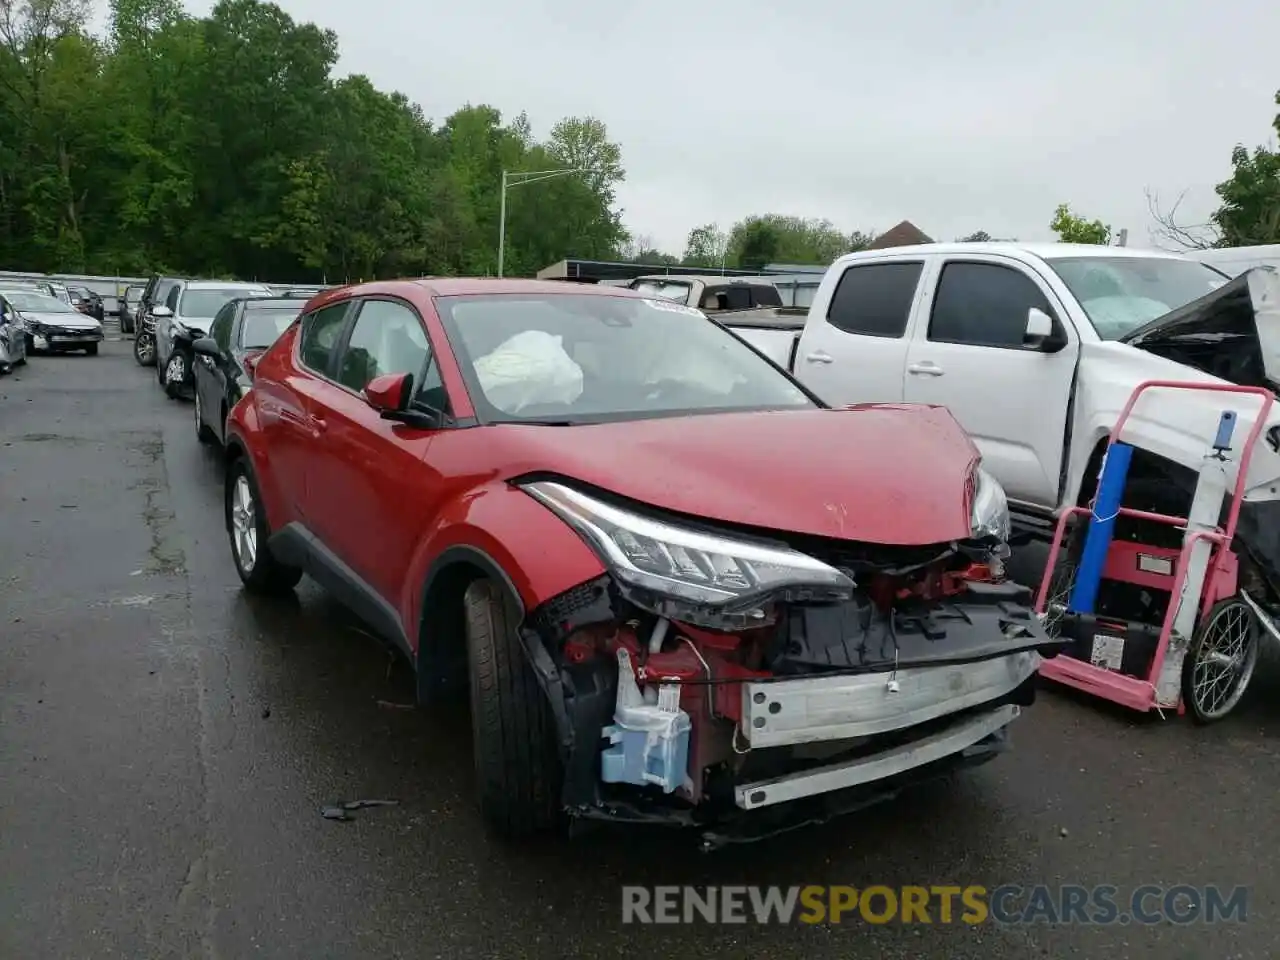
{"x":544,"y":423}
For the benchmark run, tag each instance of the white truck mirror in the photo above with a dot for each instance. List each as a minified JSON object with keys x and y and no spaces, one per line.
{"x":1039,"y":327}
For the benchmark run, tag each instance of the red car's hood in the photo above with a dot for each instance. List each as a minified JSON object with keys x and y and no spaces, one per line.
{"x":890,"y":474}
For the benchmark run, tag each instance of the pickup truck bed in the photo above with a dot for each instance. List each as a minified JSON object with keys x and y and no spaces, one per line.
{"x":774,"y":331}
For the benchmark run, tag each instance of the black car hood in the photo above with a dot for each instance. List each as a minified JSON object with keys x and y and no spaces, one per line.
{"x":1232,"y":333}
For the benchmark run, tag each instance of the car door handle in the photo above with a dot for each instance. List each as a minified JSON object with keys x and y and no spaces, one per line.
{"x":819,"y":356}
{"x":925,"y":369}
{"x":318,"y":425}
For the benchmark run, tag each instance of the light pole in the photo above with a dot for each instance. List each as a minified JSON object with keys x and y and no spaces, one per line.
{"x":515,"y":180}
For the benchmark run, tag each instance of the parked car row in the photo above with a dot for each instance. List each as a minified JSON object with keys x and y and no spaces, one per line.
{"x":39,"y":316}
{"x":555,"y":497}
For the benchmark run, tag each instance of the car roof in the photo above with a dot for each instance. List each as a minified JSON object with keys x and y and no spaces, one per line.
{"x":706,"y":278}
{"x":224,"y":285}
{"x":470,"y":287}
{"x":277,"y":300}
{"x":1021,"y":251}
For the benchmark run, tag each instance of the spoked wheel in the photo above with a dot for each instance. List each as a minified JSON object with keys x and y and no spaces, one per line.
{"x":1061,"y":583}
{"x":1055,"y":604}
{"x":1221,"y":660}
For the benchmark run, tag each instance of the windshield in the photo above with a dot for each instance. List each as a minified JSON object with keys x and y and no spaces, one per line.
{"x":37,"y":303}
{"x":588,"y":358}
{"x":207,"y":301}
{"x":666,"y":289}
{"x":1120,"y":294}
{"x":262,"y":325}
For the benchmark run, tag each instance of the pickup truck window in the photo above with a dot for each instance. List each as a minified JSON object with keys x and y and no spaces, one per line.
{"x":667,"y":290}
{"x":874,"y":299}
{"x":984,"y":305}
{"x":1120,"y":294}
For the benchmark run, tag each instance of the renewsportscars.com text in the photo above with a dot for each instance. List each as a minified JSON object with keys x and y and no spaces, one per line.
{"x":938,"y":904}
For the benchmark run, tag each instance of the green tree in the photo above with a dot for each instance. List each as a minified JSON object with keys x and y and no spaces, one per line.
{"x":979,"y":236}
{"x":757,"y":244}
{"x":1250,"y":210}
{"x":706,"y":247}
{"x":223,"y":146}
{"x":1073,"y":229}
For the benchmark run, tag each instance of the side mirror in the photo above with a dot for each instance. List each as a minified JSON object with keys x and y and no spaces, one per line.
{"x":389,"y":393}
{"x":1042,"y":333}
{"x":161,"y":311}
{"x":206,"y":347}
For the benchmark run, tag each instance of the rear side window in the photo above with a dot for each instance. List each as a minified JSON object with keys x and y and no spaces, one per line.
{"x":319,"y":339}
{"x":984,"y":304}
{"x":874,"y":299}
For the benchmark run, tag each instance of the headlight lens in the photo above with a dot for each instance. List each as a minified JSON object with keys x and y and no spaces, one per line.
{"x":990,"y":512}
{"x":689,"y":575}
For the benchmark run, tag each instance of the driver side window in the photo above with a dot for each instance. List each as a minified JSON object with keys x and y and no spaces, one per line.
{"x":387,"y":338}
{"x":984,"y":305}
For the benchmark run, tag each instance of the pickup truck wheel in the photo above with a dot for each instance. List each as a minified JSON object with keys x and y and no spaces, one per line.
{"x":517,"y":764}
{"x":258,"y":567}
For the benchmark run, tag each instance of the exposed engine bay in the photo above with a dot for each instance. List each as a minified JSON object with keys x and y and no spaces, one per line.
{"x":1232,"y":333}
{"x":879,"y":665}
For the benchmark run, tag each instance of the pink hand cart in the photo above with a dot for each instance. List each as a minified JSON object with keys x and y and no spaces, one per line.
{"x":1191,"y":641}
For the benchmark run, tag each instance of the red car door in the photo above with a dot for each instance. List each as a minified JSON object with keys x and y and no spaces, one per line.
{"x":289,"y":390}
{"x":370,"y":492}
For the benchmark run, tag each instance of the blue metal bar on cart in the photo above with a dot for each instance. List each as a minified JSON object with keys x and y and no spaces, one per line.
{"x":1102,"y":522}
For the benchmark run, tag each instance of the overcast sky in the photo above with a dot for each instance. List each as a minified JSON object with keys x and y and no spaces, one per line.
{"x":960,"y":116}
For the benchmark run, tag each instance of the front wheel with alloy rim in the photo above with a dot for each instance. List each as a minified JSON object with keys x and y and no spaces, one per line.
{"x":144,"y":349}
{"x":203,"y":433}
{"x":175,"y":371}
{"x":259,"y":569}
{"x":1220,"y":661}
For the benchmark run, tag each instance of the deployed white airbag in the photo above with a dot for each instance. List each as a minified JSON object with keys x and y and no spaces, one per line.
{"x":529,"y":369}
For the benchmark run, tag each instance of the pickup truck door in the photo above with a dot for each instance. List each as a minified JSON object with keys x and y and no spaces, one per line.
{"x":969,"y":353}
{"x":854,"y":345}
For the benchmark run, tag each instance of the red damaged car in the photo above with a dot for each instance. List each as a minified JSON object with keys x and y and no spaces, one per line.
{"x":676,"y":585}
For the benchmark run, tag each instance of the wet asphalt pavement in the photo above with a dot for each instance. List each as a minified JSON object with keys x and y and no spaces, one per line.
{"x":166,"y":745}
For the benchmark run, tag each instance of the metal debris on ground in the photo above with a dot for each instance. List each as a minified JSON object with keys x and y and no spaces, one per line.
{"x":342,"y":809}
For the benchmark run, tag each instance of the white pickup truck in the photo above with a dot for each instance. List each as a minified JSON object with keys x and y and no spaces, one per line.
{"x":1036,"y":349}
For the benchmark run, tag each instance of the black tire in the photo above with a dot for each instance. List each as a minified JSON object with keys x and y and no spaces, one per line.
{"x":203,"y":432}
{"x":263,"y":574}
{"x":518,"y":771}
{"x":91,"y":350}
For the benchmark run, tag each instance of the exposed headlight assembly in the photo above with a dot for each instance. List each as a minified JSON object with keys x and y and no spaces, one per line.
{"x":690,"y":575}
{"x":989,"y":514}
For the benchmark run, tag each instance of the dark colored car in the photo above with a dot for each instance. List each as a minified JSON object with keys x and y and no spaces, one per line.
{"x":223,"y":369}
{"x":130,"y":302}
{"x":88,"y":302}
{"x":144,"y":339}
{"x":679,"y":587}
